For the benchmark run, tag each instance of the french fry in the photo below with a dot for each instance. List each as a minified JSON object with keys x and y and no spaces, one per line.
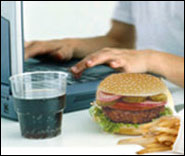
{"x":154,"y":145}
{"x":149,"y":125}
{"x":162,"y":122}
{"x":164,"y":138}
{"x":157,"y":136}
{"x":177,"y":124}
{"x":168,"y":143}
{"x":173,"y":123}
{"x":164,"y":130}
{"x":130,"y":141}
{"x":148,"y":135}
{"x":139,"y":141}
{"x":151,"y":150}
{"x":166,"y":124}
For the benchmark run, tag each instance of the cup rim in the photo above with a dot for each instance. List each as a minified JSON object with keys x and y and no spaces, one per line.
{"x":38,"y":72}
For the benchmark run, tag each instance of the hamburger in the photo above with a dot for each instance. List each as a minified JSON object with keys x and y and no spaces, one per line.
{"x":126,"y":101}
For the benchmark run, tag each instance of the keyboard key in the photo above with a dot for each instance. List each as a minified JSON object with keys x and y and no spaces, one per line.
{"x":93,"y":74}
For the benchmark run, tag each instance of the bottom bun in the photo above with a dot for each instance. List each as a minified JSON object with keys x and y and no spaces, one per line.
{"x":129,"y":131}
{"x":119,"y":128}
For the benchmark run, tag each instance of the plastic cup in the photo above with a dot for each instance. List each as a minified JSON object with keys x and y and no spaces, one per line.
{"x":39,"y":101}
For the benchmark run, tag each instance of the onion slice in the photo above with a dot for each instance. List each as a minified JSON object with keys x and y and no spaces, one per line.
{"x":106,"y":97}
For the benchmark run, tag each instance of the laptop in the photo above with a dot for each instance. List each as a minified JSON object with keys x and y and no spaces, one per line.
{"x":80,"y":93}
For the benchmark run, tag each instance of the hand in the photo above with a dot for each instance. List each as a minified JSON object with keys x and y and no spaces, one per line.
{"x":56,"y":49}
{"x":129,"y":61}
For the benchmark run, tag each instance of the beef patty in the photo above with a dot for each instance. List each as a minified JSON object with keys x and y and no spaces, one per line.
{"x":133,"y":117}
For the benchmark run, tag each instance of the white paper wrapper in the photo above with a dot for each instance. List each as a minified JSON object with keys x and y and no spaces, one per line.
{"x":179,"y":144}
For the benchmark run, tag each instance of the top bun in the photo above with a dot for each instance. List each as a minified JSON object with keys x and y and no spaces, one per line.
{"x":130,"y":84}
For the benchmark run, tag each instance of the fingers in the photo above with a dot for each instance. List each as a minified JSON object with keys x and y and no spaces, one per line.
{"x":101,"y":57}
{"x":115,"y":64}
{"x":79,"y":67}
{"x":36,"y":48}
{"x":106,"y":56}
{"x":57,"y":56}
{"x":64,"y":53}
{"x":27,"y":44}
{"x":56,"y":49}
{"x":91,"y":61}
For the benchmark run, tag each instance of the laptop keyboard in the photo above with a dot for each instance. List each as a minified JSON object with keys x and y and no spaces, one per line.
{"x":93,"y":74}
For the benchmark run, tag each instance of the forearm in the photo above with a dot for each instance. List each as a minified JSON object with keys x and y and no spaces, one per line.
{"x":90,"y":45}
{"x":167,"y":65}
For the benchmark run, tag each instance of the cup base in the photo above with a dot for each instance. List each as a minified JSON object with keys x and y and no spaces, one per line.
{"x":42,"y":135}
{"x":40,"y":126}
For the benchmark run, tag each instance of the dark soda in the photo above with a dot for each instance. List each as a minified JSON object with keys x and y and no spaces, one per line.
{"x":40,"y":118}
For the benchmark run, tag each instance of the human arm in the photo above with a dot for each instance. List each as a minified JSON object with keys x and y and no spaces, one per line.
{"x":121,"y":35}
{"x":136,"y":61}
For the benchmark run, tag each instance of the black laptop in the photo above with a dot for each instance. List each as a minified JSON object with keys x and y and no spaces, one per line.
{"x":80,"y":93}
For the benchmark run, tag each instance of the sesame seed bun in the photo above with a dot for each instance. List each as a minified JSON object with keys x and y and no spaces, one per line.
{"x":131,"y":84}
{"x":116,"y":119}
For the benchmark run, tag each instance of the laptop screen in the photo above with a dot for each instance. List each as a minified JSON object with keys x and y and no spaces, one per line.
{"x":5,"y":51}
{"x":11,"y":40}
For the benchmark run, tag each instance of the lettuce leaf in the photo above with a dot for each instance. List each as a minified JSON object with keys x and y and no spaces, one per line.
{"x":166,"y":112}
{"x":108,"y":126}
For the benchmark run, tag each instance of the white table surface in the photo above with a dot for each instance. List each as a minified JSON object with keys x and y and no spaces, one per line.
{"x":78,"y":131}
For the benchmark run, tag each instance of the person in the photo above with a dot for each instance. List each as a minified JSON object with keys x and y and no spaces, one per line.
{"x":145,"y":36}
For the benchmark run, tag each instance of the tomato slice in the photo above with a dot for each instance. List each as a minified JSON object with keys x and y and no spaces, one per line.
{"x":136,"y":106}
{"x":122,"y":106}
